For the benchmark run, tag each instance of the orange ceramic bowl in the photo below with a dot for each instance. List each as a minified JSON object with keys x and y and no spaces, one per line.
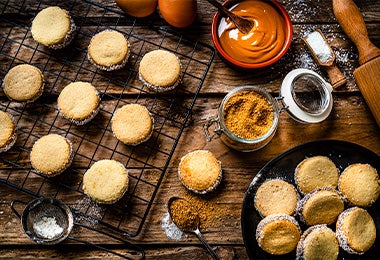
{"x":242,"y":64}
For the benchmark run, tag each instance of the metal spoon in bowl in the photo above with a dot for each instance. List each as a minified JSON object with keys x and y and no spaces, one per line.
{"x":243,"y":25}
{"x":186,"y":219}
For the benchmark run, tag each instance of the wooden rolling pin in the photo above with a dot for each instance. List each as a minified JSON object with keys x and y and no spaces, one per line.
{"x":368,"y":74}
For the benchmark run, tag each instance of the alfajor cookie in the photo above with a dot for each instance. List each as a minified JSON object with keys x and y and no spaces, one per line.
{"x":106,"y":181}
{"x":315,"y":172}
{"x":160,"y":70}
{"x":132,"y":124}
{"x":200,"y":171}
{"x":53,"y":27}
{"x":23,"y":83}
{"x":359,"y":184}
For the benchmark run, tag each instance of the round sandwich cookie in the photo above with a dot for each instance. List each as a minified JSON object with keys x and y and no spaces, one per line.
{"x":316,"y":172}
{"x":51,"y":154}
{"x":276,"y":196}
{"x":23,"y":83}
{"x":356,"y":230}
{"x":79,"y":102}
{"x":132,"y":124}
{"x":200,"y":171}
{"x":160,"y":70}
{"x":278,"y":234}
{"x":108,"y":50}
{"x":106,"y":181}
{"x":321,"y":206}
{"x":359,"y":184}
{"x":53,"y":27}
{"x":318,"y":242}
{"x":8,"y":134}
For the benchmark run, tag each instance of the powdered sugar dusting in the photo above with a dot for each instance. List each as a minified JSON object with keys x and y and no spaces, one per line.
{"x":47,"y":227}
{"x":90,"y":208}
{"x":299,"y":10}
{"x":171,"y":230}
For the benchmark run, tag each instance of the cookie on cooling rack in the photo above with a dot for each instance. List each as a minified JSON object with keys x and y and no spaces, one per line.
{"x":321,"y":206}
{"x":51,"y":155}
{"x":356,"y":230}
{"x":106,"y":181}
{"x":108,"y":50}
{"x":53,"y":27}
{"x":360,"y":185}
{"x":200,"y":171}
{"x":8,"y":134}
{"x":160,"y":70}
{"x":132,"y":124}
{"x":316,"y":172}
{"x":23,"y":83}
{"x":79,"y":102}
{"x":278,"y":234}
{"x":276,"y":196}
{"x":318,"y":242}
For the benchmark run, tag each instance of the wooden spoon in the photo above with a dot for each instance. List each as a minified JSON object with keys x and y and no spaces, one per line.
{"x":243,"y":25}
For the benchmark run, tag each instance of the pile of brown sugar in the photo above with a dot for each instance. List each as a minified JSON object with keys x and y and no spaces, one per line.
{"x":211,"y":213}
{"x":248,"y":114}
{"x":183,"y":215}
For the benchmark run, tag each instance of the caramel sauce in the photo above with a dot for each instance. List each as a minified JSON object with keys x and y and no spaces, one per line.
{"x":263,"y":42}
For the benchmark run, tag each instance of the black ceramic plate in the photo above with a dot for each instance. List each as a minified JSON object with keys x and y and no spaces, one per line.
{"x":342,"y":154}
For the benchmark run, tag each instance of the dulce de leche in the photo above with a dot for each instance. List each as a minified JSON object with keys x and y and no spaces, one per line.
{"x":263,"y":42}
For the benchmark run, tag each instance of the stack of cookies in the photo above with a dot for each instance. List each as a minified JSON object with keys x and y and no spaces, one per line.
{"x":331,"y":208}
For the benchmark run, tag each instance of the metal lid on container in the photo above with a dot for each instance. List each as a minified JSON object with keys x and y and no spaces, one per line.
{"x":306,"y":96}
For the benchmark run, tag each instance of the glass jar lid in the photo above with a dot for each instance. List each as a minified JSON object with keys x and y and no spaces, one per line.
{"x":306,"y":96}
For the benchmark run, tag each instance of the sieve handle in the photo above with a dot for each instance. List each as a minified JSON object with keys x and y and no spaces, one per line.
{"x":13,"y":202}
{"x":103,"y":248}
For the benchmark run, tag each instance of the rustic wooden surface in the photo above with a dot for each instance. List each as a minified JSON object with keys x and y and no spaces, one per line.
{"x":350,"y":120}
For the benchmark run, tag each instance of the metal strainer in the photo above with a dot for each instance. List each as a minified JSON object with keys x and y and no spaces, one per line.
{"x":40,"y":209}
{"x":45,"y":208}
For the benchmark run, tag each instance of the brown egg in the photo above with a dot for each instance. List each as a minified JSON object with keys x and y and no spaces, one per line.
{"x":178,"y":13}
{"x":137,"y":8}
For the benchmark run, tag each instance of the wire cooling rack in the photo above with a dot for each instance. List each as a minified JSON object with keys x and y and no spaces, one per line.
{"x":147,"y":162}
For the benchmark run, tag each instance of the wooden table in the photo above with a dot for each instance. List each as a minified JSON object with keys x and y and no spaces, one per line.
{"x":350,"y":120}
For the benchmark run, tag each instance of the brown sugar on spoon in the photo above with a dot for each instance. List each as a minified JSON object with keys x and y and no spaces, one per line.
{"x":183,"y":215}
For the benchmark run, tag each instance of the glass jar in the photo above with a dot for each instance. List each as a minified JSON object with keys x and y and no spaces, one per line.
{"x":304,"y":95}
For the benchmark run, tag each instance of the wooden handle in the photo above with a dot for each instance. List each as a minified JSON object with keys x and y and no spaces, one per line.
{"x":352,"y":23}
{"x":368,"y":77}
{"x":337,"y":78}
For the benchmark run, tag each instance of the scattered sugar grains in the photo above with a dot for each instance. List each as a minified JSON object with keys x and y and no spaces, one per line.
{"x":93,"y":210}
{"x":211,"y":214}
{"x":47,"y":227}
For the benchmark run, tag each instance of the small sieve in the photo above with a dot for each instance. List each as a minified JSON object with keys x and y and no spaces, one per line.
{"x":45,"y":208}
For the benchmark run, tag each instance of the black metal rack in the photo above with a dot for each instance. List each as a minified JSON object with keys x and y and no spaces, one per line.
{"x":147,"y":162}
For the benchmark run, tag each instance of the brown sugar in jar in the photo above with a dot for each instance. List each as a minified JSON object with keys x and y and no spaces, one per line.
{"x":247,"y":119}
{"x":248,"y":114}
